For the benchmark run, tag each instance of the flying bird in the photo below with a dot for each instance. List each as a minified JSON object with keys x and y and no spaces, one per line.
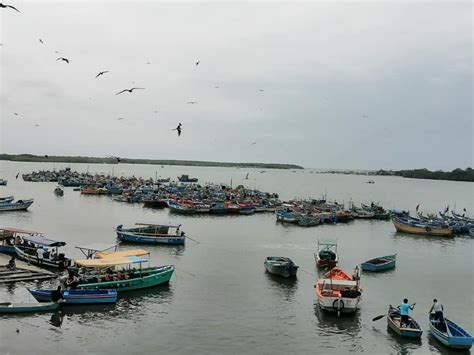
{"x":197,"y":63}
{"x":37,"y":125}
{"x":129,"y":90}
{"x":253,"y":143}
{"x":120,"y":118}
{"x":41,"y":41}
{"x":178,"y":129}
{"x":192,"y":102}
{"x":46,"y":156}
{"x":101,"y":73}
{"x":6,"y":6}
{"x":261,"y":90}
{"x":365,"y":116}
{"x":18,"y":174}
{"x":216,"y":87}
{"x":63,"y":59}
{"x":247,"y":176}
{"x":15,"y":113}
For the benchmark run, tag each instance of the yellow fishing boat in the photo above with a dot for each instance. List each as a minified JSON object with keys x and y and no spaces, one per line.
{"x":90,"y":191}
{"x":414,"y":228}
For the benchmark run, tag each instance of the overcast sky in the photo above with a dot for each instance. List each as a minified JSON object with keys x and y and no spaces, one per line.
{"x":322,"y":65}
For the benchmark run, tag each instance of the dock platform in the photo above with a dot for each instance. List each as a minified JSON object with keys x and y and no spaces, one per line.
{"x":23,"y":271}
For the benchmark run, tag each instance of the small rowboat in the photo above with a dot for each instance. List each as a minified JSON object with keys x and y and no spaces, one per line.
{"x":450,"y":334}
{"x":280,"y":266}
{"x":78,"y":296}
{"x":380,"y":263}
{"x":393,"y":321}
{"x":8,"y":307}
{"x":326,"y":255}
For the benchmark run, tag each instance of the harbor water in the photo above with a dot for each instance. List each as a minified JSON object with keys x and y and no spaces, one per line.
{"x":220,"y":300}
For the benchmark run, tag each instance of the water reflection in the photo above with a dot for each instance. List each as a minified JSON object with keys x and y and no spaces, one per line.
{"x":57,"y":319}
{"x":438,"y":348}
{"x":426,"y":239}
{"x":334,"y":330}
{"x":284,"y":288}
{"x":401,"y":344}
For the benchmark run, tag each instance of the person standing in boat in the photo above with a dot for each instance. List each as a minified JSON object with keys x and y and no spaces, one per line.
{"x":72,"y":281}
{"x":404,"y":312}
{"x":437,"y":308}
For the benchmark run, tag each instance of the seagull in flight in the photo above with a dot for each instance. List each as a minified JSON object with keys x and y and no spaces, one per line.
{"x":178,"y":129}
{"x":101,"y":73}
{"x":197,"y":63}
{"x":365,"y":116}
{"x":6,"y":6}
{"x":63,"y":59}
{"x":15,"y":113}
{"x":253,"y":143}
{"x":261,"y":90}
{"x":46,"y":156}
{"x":192,"y":102}
{"x":41,"y":41}
{"x":129,"y":90}
{"x":247,"y":176}
{"x":37,"y":125}
{"x":216,"y":87}
{"x":120,"y":118}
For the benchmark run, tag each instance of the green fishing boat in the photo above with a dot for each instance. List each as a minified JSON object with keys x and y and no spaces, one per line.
{"x":122,"y":271}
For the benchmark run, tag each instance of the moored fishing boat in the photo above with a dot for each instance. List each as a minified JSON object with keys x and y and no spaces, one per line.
{"x":149,"y":233}
{"x":58,"y":191}
{"x":415,"y":227}
{"x":88,"y":190}
{"x":338,"y":292}
{"x":326,"y":254}
{"x":280,"y":266}
{"x":117,"y":270}
{"x":380,"y":263}
{"x":9,"y":307}
{"x":309,"y":221}
{"x":41,"y":251}
{"x":182,"y":208}
{"x":286,"y":216}
{"x":449,"y":333}
{"x":9,"y":237}
{"x":155,"y":203}
{"x":11,"y":205}
{"x":78,"y":296}
{"x":186,"y":178}
{"x":412,"y":330}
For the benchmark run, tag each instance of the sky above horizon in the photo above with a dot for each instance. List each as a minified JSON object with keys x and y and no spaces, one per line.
{"x":346,"y":85}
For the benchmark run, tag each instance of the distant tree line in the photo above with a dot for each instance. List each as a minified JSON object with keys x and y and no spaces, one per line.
{"x":112,"y":160}
{"x":455,"y":175}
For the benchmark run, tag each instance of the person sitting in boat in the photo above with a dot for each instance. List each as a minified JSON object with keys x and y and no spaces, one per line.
{"x":177,"y":231}
{"x":57,"y":295}
{"x":11,"y":264}
{"x":107,"y":276}
{"x":72,"y":281}
{"x":437,"y":309}
{"x":183,"y":234}
{"x":404,"y":312}
{"x":119,"y":276}
{"x":40,"y":254}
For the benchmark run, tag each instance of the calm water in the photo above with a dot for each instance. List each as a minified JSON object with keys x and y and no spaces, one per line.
{"x":220,"y":300}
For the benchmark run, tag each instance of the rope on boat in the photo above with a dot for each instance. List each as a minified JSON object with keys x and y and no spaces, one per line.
{"x":194,"y":240}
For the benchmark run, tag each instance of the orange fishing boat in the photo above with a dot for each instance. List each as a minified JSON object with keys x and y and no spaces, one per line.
{"x":338,"y":292}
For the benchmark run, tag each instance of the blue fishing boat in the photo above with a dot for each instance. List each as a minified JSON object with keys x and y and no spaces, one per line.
{"x":9,"y":307}
{"x":449,"y":333}
{"x":181,"y":208}
{"x":9,"y":237}
{"x":78,"y":296}
{"x":148,"y":233}
{"x":412,"y":330}
{"x":380,"y":263}
{"x":10,"y":205}
{"x":218,"y":208}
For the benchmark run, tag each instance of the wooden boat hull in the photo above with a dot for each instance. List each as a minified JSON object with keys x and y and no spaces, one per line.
{"x":8,"y":307}
{"x":386,"y":263}
{"x":155,"y":203}
{"x":393,"y":322}
{"x":453,"y":337}
{"x":162,"y":275}
{"x":78,"y":296}
{"x":438,"y":232}
{"x":143,"y":239}
{"x":288,"y":269}
{"x":33,"y":259}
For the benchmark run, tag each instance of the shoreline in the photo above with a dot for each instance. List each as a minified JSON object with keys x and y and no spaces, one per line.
{"x":96,"y":160}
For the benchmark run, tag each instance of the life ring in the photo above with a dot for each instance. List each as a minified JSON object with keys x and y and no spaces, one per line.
{"x":340,"y":304}
{"x":428,"y":229}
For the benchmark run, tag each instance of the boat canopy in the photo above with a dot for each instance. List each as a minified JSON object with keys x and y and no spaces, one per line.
{"x":17,"y":230}
{"x":107,"y":262}
{"x":337,"y":282}
{"x":159,"y":225}
{"x":121,"y":254}
{"x":39,"y":240}
{"x":90,"y":250}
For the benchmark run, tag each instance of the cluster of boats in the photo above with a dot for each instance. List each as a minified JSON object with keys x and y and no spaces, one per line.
{"x":8,"y":203}
{"x":307,"y":213}
{"x":96,"y":279}
{"x":337,"y":291}
{"x":444,"y":225}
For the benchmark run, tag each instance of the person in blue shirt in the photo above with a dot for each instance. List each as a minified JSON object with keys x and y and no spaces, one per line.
{"x":404,"y":312}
